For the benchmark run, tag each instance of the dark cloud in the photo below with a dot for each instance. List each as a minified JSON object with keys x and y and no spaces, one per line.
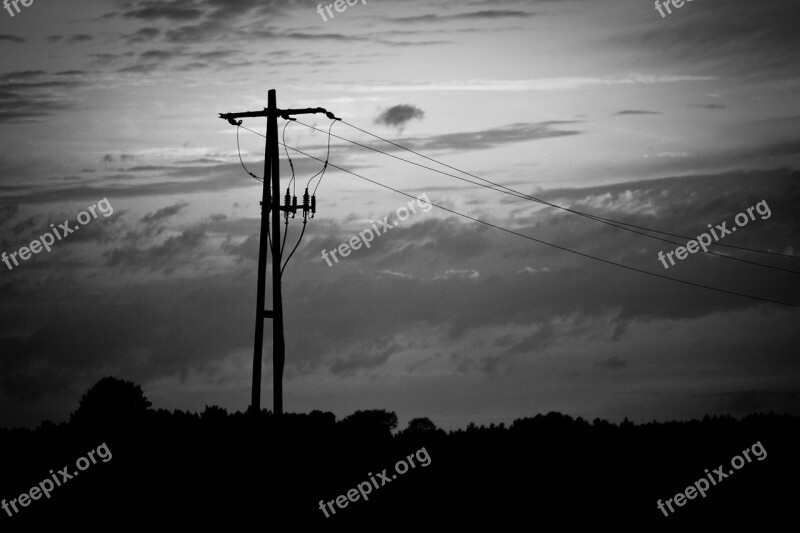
{"x":174,"y":11}
{"x":635,"y":112}
{"x":80,"y":38}
{"x":613,"y":363}
{"x":399,"y":115}
{"x":122,"y":158}
{"x":143,"y":35}
{"x":323,"y":36}
{"x":7,"y":212}
{"x":759,"y":401}
{"x":766,"y":43}
{"x":365,"y":356}
{"x":29,"y":96}
{"x":480,"y":140}
{"x":203,"y":21}
{"x":164,"y":213}
{"x":138,"y":338}
{"x":167,"y":257}
{"x":12,"y":39}
{"x":186,"y":320}
{"x":24,"y":225}
{"x":708,"y":106}
{"x":488,"y":14}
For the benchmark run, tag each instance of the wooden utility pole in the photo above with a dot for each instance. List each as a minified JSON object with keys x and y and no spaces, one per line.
{"x":271,"y":201}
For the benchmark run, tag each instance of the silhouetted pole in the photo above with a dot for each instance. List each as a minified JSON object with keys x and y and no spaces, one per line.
{"x":261,"y":313}
{"x":278,"y":345}
{"x":273,"y":206}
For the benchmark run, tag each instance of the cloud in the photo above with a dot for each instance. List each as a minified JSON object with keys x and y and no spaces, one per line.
{"x":31,"y":95}
{"x":635,"y":112}
{"x":759,"y":401}
{"x":483,"y":139}
{"x":164,"y":213}
{"x":370,"y":354}
{"x":174,"y":253}
{"x":540,"y":84}
{"x":12,"y":39}
{"x":399,"y":115}
{"x":172,"y":317}
{"x":708,"y":106}
{"x":613,"y":363}
{"x":7,"y":212}
{"x":175,"y":11}
{"x":143,"y":35}
{"x":702,"y":40}
{"x":488,"y":14}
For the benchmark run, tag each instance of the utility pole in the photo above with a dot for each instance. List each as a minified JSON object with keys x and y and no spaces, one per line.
{"x":271,"y":200}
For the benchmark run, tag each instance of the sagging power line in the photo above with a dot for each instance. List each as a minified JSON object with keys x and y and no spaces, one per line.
{"x":515,"y":193}
{"x":565,"y":249}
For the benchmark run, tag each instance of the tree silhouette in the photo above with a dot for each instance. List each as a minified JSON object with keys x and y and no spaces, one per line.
{"x":214,"y":414}
{"x":376,"y":423}
{"x":109,"y":400}
{"x":422,"y":427}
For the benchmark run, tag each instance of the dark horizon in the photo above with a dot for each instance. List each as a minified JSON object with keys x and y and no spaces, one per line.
{"x":313,"y":470}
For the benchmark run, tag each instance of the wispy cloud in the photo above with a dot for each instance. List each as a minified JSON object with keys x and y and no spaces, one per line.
{"x":12,"y":39}
{"x":636,"y":112}
{"x":541,"y":84}
{"x":488,"y":14}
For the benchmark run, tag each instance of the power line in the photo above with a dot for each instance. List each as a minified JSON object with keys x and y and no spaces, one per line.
{"x":518,"y":194}
{"x":327,"y":157}
{"x":285,"y":234}
{"x":522,"y":235}
{"x":291,"y":181}
{"x":295,"y":246}
{"x":239,"y":125}
{"x":596,"y":217}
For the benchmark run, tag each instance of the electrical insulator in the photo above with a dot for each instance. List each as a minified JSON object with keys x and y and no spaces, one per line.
{"x":287,"y":204}
{"x":294,"y":206}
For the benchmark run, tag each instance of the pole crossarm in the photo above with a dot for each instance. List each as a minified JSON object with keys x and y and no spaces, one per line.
{"x":283,"y":113}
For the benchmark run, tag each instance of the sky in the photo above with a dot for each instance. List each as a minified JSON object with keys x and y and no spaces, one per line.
{"x":676,"y":123}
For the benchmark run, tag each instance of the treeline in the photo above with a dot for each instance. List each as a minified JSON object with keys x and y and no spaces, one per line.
{"x":219,"y":469}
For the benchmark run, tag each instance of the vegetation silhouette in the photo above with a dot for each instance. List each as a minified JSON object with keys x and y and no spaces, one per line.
{"x":111,"y":400}
{"x":218,"y":469}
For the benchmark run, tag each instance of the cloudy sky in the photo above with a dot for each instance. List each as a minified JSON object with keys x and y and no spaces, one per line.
{"x":605,"y":107}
